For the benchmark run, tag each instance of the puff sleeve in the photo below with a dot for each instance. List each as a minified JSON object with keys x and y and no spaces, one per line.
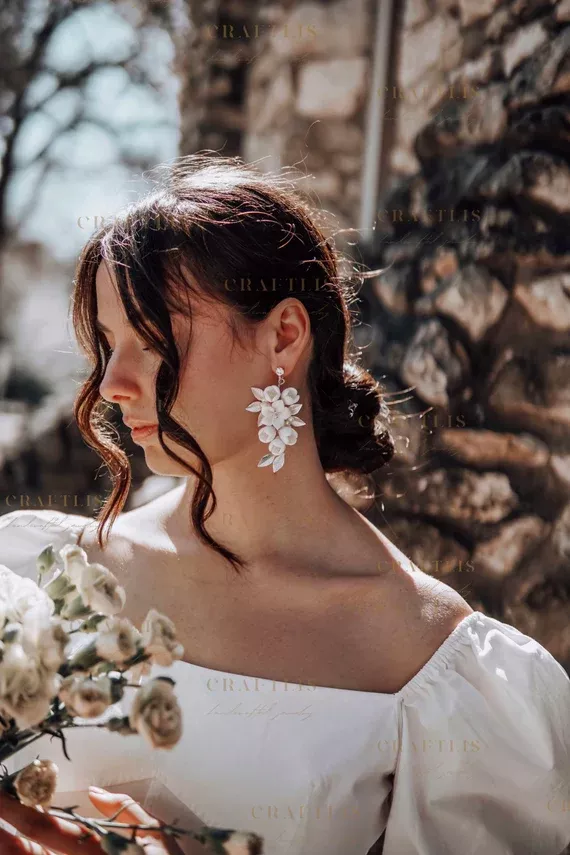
{"x":483,"y":764}
{"x":25,"y":533}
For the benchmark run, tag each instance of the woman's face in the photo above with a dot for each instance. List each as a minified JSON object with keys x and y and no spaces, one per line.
{"x":215,"y":381}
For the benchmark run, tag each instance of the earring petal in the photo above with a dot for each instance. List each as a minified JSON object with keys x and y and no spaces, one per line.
{"x":266,"y":434}
{"x":266,"y":460}
{"x":255,"y":407}
{"x":277,"y":446}
{"x":271,"y":393}
{"x":278,"y":462}
{"x":258,"y":393}
{"x":296,"y":422}
{"x":289,"y":435}
{"x":290,"y":395}
{"x":294,"y":408}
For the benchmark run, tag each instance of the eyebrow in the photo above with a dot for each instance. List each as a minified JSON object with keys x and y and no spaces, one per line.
{"x":102,"y":327}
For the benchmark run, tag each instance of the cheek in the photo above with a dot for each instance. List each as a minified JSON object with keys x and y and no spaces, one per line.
{"x":214,"y":392}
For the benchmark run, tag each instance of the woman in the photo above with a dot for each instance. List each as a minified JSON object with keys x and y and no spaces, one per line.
{"x":334,"y":695}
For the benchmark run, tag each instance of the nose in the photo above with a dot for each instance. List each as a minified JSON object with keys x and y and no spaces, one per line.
{"x":121,"y":381}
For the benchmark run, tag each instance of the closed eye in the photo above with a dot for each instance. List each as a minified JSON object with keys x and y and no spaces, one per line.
{"x":110,"y":349}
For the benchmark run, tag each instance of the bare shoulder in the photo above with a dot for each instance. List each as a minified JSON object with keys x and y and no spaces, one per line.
{"x":441,"y":606}
{"x":407,"y":618}
{"x":135,"y":546}
{"x":118,"y":544}
{"x":136,"y":527}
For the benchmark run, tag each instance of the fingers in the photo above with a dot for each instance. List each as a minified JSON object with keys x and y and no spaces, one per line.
{"x":128,"y":810}
{"x":59,"y":835}
{"x":132,"y":812}
{"x":12,"y":845}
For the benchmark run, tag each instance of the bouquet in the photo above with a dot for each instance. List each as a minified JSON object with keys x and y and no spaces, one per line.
{"x":44,"y":686}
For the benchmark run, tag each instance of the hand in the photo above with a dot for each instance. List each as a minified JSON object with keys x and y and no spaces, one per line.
{"x":49,"y":835}
{"x":153,"y":842}
{"x":42,"y":834}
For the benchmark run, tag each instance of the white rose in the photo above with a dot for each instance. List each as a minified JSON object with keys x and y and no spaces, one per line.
{"x":233,"y":842}
{"x":156,"y":715}
{"x":47,"y":641}
{"x":26,"y":687}
{"x":74,"y":561}
{"x":242,"y":843}
{"x":100,"y":590}
{"x":86,"y":697}
{"x":158,"y":637}
{"x":36,"y":783}
{"x":19,"y":595}
{"x":117,"y":641}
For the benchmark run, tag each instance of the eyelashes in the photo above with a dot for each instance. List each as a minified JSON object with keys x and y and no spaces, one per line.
{"x":110,"y":350}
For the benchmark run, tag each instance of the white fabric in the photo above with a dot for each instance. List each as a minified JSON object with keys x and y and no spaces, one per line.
{"x":471,"y":757}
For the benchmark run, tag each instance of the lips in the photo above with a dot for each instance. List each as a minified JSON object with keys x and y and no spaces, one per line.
{"x":135,"y":425}
{"x":140,"y":433}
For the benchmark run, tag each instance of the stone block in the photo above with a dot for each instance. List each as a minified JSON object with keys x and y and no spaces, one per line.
{"x":474,"y":299}
{"x":331,"y":88}
{"x":522,"y":44}
{"x":498,"y":557}
{"x":475,"y":10}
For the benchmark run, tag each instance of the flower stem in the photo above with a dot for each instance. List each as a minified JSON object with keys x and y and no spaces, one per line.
{"x":10,"y":750}
{"x":101,"y":826}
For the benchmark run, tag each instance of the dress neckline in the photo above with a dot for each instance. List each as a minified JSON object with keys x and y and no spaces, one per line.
{"x":440,"y":658}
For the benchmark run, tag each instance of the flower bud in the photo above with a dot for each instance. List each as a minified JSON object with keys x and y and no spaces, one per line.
{"x":45,"y":562}
{"x":156,"y":714}
{"x":26,"y":687}
{"x":232,"y":842}
{"x":86,"y":697}
{"x":118,"y":641}
{"x":101,"y":591}
{"x":74,"y":561}
{"x":158,"y":637}
{"x":34,"y":785}
{"x":114,"y":844}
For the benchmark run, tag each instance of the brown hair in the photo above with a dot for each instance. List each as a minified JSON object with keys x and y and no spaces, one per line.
{"x":222,"y":221}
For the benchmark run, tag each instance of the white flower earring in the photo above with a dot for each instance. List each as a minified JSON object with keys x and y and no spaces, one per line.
{"x":277,"y":415}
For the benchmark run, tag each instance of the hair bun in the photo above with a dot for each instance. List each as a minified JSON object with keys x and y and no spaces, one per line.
{"x":351,"y":426}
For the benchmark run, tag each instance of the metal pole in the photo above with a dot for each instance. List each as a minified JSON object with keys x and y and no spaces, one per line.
{"x":374,"y":134}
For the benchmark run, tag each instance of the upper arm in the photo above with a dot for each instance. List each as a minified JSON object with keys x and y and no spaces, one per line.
{"x":483,"y":758}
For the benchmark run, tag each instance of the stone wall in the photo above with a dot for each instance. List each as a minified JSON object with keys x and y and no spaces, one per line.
{"x":284,"y":84}
{"x":474,"y":313}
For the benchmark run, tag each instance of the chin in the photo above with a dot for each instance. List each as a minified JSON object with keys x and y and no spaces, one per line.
{"x":160,"y":463}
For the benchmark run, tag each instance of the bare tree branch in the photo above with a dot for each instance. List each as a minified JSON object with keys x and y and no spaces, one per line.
{"x":18,"y":72}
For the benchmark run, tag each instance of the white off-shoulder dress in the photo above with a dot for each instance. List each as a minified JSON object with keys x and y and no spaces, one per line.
{"x":471,"y":757}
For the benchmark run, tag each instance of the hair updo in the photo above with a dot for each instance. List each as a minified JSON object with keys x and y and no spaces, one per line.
{"x":249,"y":240}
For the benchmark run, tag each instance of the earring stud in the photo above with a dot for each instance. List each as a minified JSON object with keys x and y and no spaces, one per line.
{"x":277,"y":419}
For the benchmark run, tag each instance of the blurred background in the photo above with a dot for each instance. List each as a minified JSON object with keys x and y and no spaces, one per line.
{"x":435,"y":133}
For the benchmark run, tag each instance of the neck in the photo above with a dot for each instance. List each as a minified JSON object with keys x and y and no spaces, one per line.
{"x":292,"y":517}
